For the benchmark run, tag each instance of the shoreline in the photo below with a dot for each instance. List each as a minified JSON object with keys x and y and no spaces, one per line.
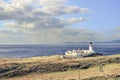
{"x":53,"y":55}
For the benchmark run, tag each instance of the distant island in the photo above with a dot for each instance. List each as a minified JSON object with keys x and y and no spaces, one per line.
{"x":113,"y":41}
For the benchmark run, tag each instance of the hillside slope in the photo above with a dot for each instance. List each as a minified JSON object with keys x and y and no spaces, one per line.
{"x":12,"y":68}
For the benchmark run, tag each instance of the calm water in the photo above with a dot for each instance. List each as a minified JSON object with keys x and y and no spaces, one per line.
{"x":15,"y":51}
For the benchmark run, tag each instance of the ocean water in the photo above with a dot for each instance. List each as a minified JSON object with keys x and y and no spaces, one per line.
{"x":20,"y":51}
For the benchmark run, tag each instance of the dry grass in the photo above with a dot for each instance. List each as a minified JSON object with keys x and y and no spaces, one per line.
{"x":54,"y":59}
{"x":110,"y":69}
{"x":55,"y":68}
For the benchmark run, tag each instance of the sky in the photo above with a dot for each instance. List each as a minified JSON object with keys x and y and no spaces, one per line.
{"x":58,"y":21}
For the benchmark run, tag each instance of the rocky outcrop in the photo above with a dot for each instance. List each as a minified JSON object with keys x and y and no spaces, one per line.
{"x":93,"y":55}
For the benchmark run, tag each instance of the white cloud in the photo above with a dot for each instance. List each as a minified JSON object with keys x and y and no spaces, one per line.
{"x":117,"y":32}
{"x":66,"y":35}
{"x":74,"y":20}
{"x":58,"y":7}
{"x":39,"y":21}
{"x":51,"y":2}
{"x":19,"y":9}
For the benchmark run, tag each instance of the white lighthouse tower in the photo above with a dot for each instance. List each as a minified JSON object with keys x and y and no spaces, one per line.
{"x":91,"y":47}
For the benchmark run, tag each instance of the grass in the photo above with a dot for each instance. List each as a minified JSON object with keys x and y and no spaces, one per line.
{"x":109,"y":69}
{"x":56,"y":68}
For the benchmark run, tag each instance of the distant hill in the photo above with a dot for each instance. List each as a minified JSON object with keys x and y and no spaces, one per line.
{"x":114,"y":41}
{"x":76,"y":42}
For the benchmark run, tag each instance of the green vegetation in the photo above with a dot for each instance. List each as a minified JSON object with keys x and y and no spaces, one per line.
{"x":56,"y":68}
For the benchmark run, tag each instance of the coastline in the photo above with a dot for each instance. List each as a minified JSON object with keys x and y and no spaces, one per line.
{"x":17,"y":67}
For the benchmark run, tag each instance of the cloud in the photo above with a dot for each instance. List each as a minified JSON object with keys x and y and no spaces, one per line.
{"x":117,"y":31}
{"x":52,"y":2}
{"x":58,"y":7}
{"x":45,"y":13}
{"x":117,"y":28}
{"x":64,"y":35}
{"x":54,"y":35}
{"x":21,"y":9}
{"x":39,"y":21}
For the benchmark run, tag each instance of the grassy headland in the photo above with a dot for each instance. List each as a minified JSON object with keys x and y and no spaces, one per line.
{"x":56,"y":68}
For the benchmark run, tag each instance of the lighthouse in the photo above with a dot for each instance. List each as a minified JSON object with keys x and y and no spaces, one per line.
{"x":91,"y":47}
{"x":81,"y":53}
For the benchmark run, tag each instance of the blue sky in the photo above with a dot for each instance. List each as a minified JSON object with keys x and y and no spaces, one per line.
{"x":61,"y":21}
{"x":105,"y":14}
{"x":104,"y":17}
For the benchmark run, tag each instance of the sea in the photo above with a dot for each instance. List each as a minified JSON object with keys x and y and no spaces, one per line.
{"x":33,"y":50}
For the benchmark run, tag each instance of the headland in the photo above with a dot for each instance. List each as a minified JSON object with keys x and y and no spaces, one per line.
{"x":52,"y":67}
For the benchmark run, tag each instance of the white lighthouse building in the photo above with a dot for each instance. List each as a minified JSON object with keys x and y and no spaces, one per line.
{"x":81,"y":53}
{"x":91,"y":48}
